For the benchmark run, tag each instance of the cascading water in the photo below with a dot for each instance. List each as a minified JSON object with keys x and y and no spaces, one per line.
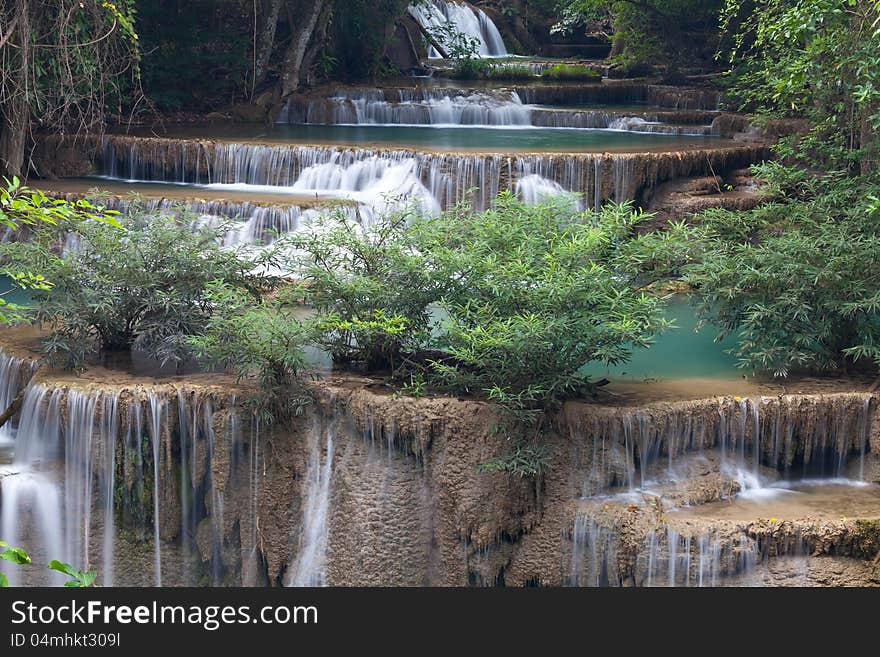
{"x":157,"y":412}
{"x":465,"y":19}
{"x":246,"y":223}
{"x":310,"y":566}
{"x":31,"y":514}
{"x":86,"y":461}
{"x":639,"y":124}
{"x":804,"y":437}
{"x":109,"y":430}
{"x":14,"y":374}
{"x":661,"y":474}
{"x":485,"y":108}
{"x":378,"y":178}
{"x":687,"y":554}
{"x":534,"y":189}
{"x":441,"y":108}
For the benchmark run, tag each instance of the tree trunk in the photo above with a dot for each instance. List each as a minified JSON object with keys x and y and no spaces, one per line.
{"x":319,"y":40}
{"x":301,"y":33}
{"x":13,"y":131}
{"x":430,"y":39}
{"x":15,"y":109}
{"x":266,"y":39}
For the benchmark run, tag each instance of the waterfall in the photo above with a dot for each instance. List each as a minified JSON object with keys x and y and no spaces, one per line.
{"x":187,"y":472}
{"x":78,"y":473}
{"x":246,"y":223}
{"x":669,"y":555}
{"x":14,"y":374}
{"x":623,"y":172}
{"x":467,"y":20}
{"x":157,"y":410}
{"x":310,"y":567}
{"x":440,"y":107}
{"x":639,"y":124}
{"x":110,"y":432}
{"x":681,"y":555}
{"x":63,"y":491}
{"x":379,"y":178}
{"x":31,"y":508}
{"x":485,"y":108}
{"x":533,"y":189}
{"x":823,"y":436}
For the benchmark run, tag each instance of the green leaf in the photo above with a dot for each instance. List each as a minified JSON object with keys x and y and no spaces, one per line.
{"x":16,"y":556}
{"x":63,"y":568}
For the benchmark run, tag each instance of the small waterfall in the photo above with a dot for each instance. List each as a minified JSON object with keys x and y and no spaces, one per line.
{"x":468,"y":20}
{"x":14,"y":374}
{"x":78,"y":473}
{"x":533,"y":189}
{"x":310,"y":567}
{"x":417,"y":108}
{"x":669,"y":555}
{"x":31,"y":513}
{"x":251,"y":223}
{"x":79,"y":470}
{"x":32,"y":501}
{"x":624,"y":173}
{"x":157,"y":412}
{"x":188,"y":473}
{"x":808,"y":436}
{"x":639,"y":124}
{"x":486,"y":108}
{"x":110,"y":431}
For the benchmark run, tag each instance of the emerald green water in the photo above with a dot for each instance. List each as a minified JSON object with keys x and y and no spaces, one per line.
{"x":12,"y":293}
{"x":681,"y":352}
{"x":460,"y":138}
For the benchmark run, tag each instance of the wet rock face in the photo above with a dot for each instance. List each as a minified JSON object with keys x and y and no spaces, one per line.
{"x":56,"y":157}
{"x":647,"y":545}
{"x":369,"y":489}
{"x":686,"y":198}
{"x":743,"y":128}
{"x":407,"y":505}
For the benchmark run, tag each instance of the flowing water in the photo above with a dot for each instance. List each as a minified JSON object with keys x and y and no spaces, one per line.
{"x":486,"y":108}
{"x":310,"y":567}
{"x":378,"y":178}
{"x":464,"y":19}
{"x":163,"y":486}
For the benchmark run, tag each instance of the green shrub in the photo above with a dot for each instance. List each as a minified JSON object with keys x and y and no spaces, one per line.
{"x":571,"y":72}
{"x":471,"y":69}
{"x":259,"y":338}
{"x":791,"y":278}
{"x":23,"y":210}
{"x":370,"y":287}
{"x":511,"y":72}
{"x":143,"y":286}
{"x":540,"y":294}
